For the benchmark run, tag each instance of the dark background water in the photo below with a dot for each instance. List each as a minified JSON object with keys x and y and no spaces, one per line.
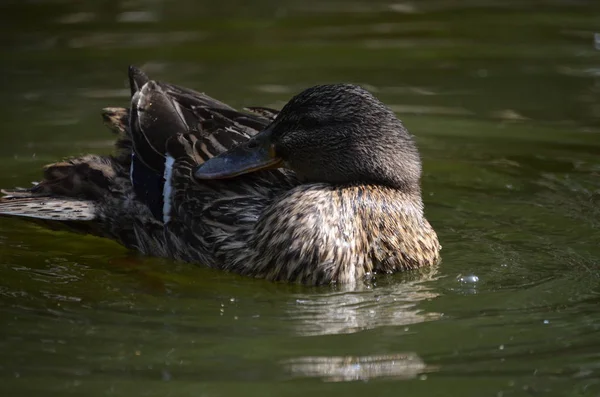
{"x":503,"y":97}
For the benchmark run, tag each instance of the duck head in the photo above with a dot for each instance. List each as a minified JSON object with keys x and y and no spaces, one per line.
{"x":337,"y":134}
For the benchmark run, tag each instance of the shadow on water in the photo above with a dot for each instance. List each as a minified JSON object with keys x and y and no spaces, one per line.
{"x":503,"y":100}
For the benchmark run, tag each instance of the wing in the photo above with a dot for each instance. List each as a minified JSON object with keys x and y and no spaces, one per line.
{"x":158,"y":112}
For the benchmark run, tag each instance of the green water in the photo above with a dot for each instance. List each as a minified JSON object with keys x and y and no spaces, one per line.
{"x":504,"y":99}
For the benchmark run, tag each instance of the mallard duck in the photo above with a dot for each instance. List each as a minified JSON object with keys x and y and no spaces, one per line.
{"x":327,"y":190}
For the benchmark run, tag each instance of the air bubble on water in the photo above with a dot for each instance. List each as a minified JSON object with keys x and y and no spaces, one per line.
{"x":469,"y":279}
{"x":546,"y":321}
{"x":501,"y":347}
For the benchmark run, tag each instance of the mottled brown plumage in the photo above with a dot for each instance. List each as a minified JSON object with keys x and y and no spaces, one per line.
{"x":327,"y":190}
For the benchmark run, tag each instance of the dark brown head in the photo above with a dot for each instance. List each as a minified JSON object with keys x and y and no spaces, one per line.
{"x":338,"y":134}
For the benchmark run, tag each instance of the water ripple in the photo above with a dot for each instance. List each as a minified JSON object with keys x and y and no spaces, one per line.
{"x":349,"y":312}
{"x":353,"y":368}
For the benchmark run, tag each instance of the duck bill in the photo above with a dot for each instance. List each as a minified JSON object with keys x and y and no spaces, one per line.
{"x":256,"y":154}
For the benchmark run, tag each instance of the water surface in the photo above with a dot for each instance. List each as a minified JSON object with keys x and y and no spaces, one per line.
{"x":503,"y":98}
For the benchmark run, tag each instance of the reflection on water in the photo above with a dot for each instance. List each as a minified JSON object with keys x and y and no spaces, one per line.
{"x":355,"y":309}
{"x":344,"y":369}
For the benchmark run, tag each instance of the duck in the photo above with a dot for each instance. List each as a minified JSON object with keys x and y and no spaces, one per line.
{"x":326,"y":190}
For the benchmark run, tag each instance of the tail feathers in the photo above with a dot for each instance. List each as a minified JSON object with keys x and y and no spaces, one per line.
{"x":117,"y":120}
{"x":47,"y":208}
{"x":90,"y":176}
{"x":19,"y":192}
{"x":54,"y":213}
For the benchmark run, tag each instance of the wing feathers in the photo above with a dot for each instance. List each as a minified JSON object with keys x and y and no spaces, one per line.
{"x":198,"y":127}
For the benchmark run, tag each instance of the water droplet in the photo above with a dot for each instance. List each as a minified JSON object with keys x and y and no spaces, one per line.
{"x":469,"y":279}
{"x":546,"y":322}
{"x":501,"y":347}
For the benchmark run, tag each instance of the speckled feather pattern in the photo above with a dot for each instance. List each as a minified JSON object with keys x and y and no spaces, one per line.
{"x":313,"y":234}
{"x":266,"y":224}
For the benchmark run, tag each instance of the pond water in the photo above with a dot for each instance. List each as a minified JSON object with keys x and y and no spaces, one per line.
{"x":504,"y":100}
